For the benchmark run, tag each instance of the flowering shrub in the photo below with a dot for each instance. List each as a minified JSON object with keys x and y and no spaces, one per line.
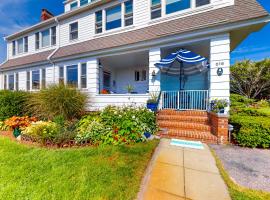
{"x":219,"y":104}
{"x":3,"y":126}
{"x":19,"y":122}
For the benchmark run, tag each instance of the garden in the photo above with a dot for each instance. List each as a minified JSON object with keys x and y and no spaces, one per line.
{"x":65,"y":152}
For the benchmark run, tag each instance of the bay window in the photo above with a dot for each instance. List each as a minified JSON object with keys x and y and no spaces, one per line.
{"x":113,"y":18}
{"x":36,"y":80}
{"x":45,"y":38}
{"x":72,"y":75}
{"x":11,"y":82}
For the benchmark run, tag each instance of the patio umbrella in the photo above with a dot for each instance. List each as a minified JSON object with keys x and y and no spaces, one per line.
{"x":190,"y":63}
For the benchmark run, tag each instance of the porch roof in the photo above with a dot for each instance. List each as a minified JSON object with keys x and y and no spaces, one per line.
{"x":241,"y":11}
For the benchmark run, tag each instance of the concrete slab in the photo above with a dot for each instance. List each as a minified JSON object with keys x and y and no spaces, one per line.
{"x":205,"y":186}
{"x":155,"y":194}
{"x":171,"y":156}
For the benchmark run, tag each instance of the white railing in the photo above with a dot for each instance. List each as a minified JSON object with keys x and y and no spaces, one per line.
{"x":185,"y":100}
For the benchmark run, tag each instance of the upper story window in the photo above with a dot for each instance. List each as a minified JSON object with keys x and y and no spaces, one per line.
{"x":45,"y":38}
{"x":113,"y":17}
{"x":25,"y":44}
{"x":36,"y":80}
{"x":155,"y":9}
{"x":37,"y":41}
{"x":99,"y":21}
{"x":14,"y":48}
{"x":202,"y":2}
{"x":74,"y":5}
{"x":20,"y":45}
{"x":73,"y":31}
{"x":83,"y":2}
{"x":129,"y":13}
{"x":53,"y":35}
{"x":11,"y":82}
{"x":177,"y":5}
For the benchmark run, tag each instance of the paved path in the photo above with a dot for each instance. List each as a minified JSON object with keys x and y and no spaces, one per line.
{"x":178,"y":173}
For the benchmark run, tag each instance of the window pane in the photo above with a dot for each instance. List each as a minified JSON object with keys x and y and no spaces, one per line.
{"x":26,"y":44}
{"x":45,"y":38}
{"x":37,"y":40}
{"x":53,"y":37}
{"x":137,"y":75}
{"x":202,"y":2}
{"x":72,"y":75}
{"x":17,"y":81}
{"x":5,"y":82}
{"x":155,"y":2}
{"x":35,"y":80}
{"x":28,"y":81}
{"x":107,"y":80}
{"x":99,"y":22}
{"x":61,"y":75}
{"x":113,"y":18}
{"x":129,"y":7}
{"x":83,"y":76}
{"x":11,"y":82}
{"x":14,"y":48}
{"x":20,"y":46}
{"x":176,"y":5}
{"x":83,"y":2}
{"x":156,"y":9}
{"x":74,"y":31}
{"x":43,"y":80}
{"x":73,"y":5}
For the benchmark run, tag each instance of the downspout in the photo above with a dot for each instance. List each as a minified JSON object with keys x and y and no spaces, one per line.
{"x":57,"y":48}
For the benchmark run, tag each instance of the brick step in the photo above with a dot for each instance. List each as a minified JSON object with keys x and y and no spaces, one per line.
{"x":180,"y":118}
{"x":184,"y":125}
{"x":183,"y":113}
{"x":205,"y":136}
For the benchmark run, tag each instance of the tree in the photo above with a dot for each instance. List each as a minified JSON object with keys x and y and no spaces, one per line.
{"x":251,"y":79}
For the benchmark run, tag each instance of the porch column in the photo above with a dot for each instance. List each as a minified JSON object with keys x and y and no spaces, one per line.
{"x":154,"y":81}
{"x":93,"y":76}
{"x":220,"y":68}
{"x":1,"y":81}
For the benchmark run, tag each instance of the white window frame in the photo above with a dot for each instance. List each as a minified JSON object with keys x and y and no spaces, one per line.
{"x":31,"y":83}
{"x":14,"y":47}
{"x":17,"y":81}
{"x":70,"y":33}
{"x":24,"y":44}
{"x":41,"y":37}
{"x":22,"y":39}
{"x":72,"y":3}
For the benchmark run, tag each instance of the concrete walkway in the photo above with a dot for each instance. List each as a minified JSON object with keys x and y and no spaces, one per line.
{"x":177,"y":173}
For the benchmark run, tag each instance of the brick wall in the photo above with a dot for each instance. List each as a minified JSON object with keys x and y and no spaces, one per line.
{"x":219,"y":127}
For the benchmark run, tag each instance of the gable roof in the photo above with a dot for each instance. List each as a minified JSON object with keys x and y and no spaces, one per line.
{"x":241,"y":11}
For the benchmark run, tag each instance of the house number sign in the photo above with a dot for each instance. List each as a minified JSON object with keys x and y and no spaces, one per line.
{"x":220,"y":69}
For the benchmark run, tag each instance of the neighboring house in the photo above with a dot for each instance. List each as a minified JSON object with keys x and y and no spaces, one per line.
{"x":107,"y":45}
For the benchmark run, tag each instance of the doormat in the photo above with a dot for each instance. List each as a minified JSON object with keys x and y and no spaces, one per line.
{"x":187,"y":144}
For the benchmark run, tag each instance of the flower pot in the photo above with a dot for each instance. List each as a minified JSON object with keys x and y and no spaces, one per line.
{"x":16,"y":132}
{"x":152,"y":106}
{"x":221,"y":111}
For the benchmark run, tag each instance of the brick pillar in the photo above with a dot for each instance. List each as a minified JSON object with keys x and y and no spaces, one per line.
{"x":219,"y":127}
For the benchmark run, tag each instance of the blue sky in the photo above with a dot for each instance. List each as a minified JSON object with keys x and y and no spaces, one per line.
{"x":19,"y":14}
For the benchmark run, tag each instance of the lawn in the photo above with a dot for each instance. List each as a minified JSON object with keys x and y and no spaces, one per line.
{"x":106,"y":172}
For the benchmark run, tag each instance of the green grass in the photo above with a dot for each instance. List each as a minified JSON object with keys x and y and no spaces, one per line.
{"x":236,"y":191}
{"x":265,"y":111}
{"x":87,"y":173}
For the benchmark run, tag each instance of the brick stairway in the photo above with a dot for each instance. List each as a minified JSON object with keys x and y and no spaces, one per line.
{"x":189,"y":125}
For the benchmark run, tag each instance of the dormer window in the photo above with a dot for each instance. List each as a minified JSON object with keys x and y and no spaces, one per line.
{"x":83,"y":2}
{"x":113,"y":18}
{"x":74,"y":5}
{"x":20,"y":46}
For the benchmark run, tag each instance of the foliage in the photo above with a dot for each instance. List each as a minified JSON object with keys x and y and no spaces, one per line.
{"x":57,"y":100}
{"x":236,"y":191}
{"x":218,"y":104}
{"x":12,"y":103}
{"x":19,"y":122}
{"x":251,"y":79}
{"x":153,"y":97}
{"x":80,"y":173}
{"x":130,"y":88}
{"x":3,"y":126}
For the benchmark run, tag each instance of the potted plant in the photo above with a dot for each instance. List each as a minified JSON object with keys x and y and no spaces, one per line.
{"x":129,"y":88}
{"x":152,"y":103}
{"x":219,"y":105}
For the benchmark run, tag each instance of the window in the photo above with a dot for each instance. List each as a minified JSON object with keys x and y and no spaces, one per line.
{"x":43,"y":78}
{"x":72,"y":75}
{"x":25,"y":44}
{"x":17,"y":81}
{"x":156,"y":9}
{"x":176,"y":5}
{"x":202,"y":2}
{"x":83,"y":2}
{"x":11,"y":82}
{"x":107,"y":80}
{"x":73,"y":31}
{"x":129,"y":13}
{"x":5,"y":82}
{"x":113,"y":17}
{"x":53,"y":35}
{"x":36,"y":80}
{"x":61,"y":75}
{"x":27,"y":81}
{"x":45,"y":38}
{"x":73,"y":5}
{"x":20,"y":45}
{"x":14,"y":48}
{"x":140,"y":75}
{"x":99,"y":21}
{"x":37,"y":40}
{"x":83,"y":76}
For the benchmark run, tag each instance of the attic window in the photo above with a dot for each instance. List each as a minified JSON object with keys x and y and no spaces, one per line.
{"x":74,"y":5}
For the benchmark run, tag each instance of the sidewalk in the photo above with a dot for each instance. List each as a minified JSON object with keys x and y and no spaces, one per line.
{"x":178,"y":173}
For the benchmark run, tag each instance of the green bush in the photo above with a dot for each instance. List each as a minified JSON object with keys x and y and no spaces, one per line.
{"x":12,"y":103}
{"x":55,"y":101}
{"x":251,"y":131}
{"x":3,"y":126}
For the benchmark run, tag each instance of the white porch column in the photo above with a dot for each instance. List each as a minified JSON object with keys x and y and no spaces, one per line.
{"x":93,"y":76}
{"x":1,"y":81}
{"x":220,"y":67}
{"x":154,"y":81}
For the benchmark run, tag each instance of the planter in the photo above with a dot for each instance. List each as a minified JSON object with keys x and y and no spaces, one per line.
{"x":152,"y":106}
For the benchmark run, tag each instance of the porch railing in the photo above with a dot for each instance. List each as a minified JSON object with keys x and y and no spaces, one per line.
{"x":185,"y":100}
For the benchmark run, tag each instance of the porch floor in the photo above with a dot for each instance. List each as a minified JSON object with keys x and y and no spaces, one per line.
{"x":183,"y":173}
